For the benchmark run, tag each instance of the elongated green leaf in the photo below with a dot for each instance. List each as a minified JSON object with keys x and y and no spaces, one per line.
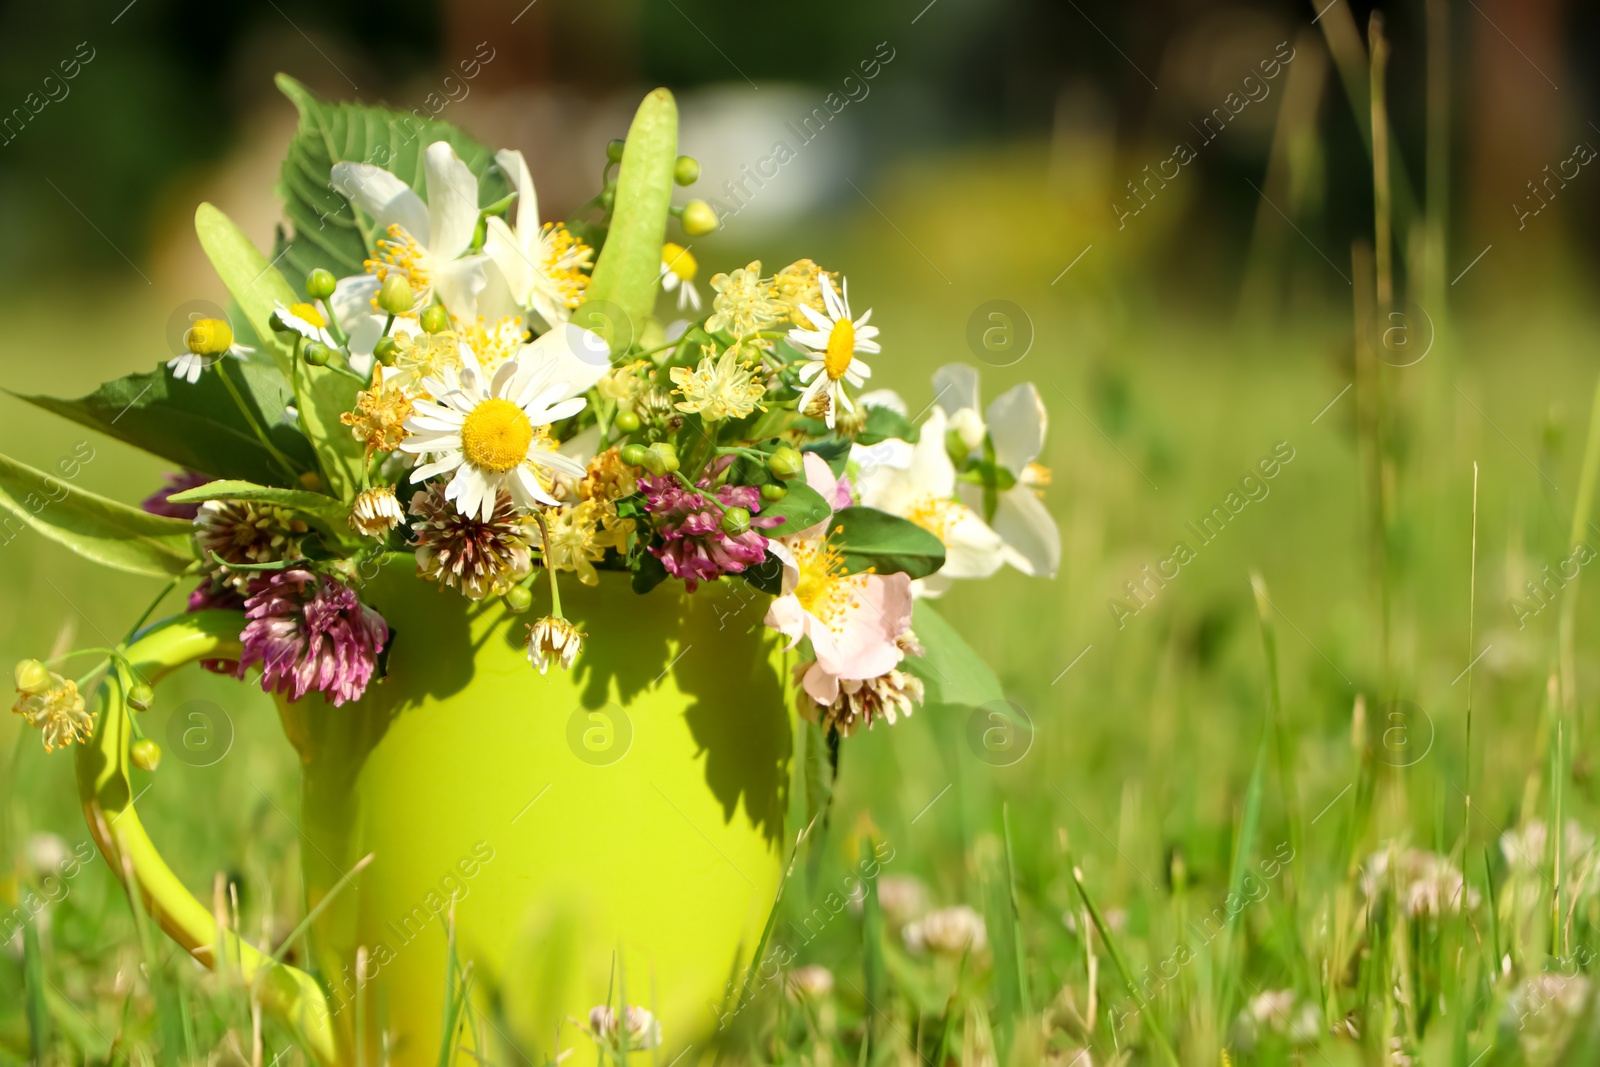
{"x":886,"y":543}
{"x":93,"y":526}
{"x":196,"y":426}
{"x":629,"y":267}
{"x":326,"y":230}
{"x":320,"y":510}
{"x":953,"y":673}
{"x":321,"y":394}
{"x":800,"y":509}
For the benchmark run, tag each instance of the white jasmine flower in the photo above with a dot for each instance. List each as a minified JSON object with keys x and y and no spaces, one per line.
{"x":537,"y":266}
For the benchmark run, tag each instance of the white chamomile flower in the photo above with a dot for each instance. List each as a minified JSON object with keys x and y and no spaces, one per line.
{"x":538,"y":266}
{"x":426,"y":242}
{"x":832,"y":347}
{"x":307,"y":321}
{"x":207,"y":341}
{"x":678,"y":270}
{"x":493,"y":433}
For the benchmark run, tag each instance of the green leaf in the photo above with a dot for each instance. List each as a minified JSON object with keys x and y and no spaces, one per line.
{"x":322,"y":511}
{"x":629,"y":267}
{"x":195,"y":426}
{"x":326,"y":230}
{"x":886,"y":543}
{"x":953,"y":673}
{"x":800,"y":509}
{"x":836,"y":453}
{"x":321,"y":393}
{"x":94,"y":526}
{"x":885,"y":423}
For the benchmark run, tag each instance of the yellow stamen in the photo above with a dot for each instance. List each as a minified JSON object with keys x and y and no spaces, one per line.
{"x":399,"y":251}
{"x":566,"y":256}
{"x":824,"y":589}
{"x":841,"y":348}
{"x":679,"y":261}
{"x":308,"y":313}
{"x":935,"y":514}
{"x":496,"y":435}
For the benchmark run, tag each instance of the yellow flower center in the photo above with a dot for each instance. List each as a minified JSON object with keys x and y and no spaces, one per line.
{"x":399,"y":252}
{"x":565,"y":257}
{"x":496,"y":435}
{"x":679,"y":261}
{"x":824,"y":589}
{"x":841,"y":348}
{"x":308,"y":313}
{"x":935,"y":514}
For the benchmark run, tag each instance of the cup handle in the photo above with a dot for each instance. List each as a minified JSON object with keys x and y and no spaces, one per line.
{"x":107,"y":796}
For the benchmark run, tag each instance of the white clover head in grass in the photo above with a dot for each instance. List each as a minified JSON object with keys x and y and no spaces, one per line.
{"x":429,"y":243}
{"x":1014,"y":426}
{"x":534,"y":266}
{"x":831,"y":348}
{"x":492,"y":433}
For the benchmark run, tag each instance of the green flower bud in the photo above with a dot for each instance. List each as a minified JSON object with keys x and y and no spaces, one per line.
{"x":773,"y":492}
{"x":786,"y":463}
{"x":208,"y":337}
{"x":626,"y":421}
{"x":518,"y":599}
{"x":32,"y":677}
{"x":665,"y":455}
{"x":317,"y":354}
{"x":395,"y":295}
{"x":614,"y":150}
{"x":435,"y":319}
{"x":146,"y":754}
{"x":635,"y":455}
{"x":384,"y":351}
{"x":686,"y":171}
{"x":140,"y":697}
{"x":699,"y":218}
{"x":320,"y":283}
{"x":735,"y":521}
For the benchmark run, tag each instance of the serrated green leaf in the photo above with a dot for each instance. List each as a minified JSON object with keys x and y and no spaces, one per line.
{"x":629,"y":267}
{"x":321,"y":393}
{"x":800,"y":509}
{"x":196,"y":426}
{"x":885,"y":543}
{"x":93,"y":526}
{"x":326,"y":231}
{"x":953,"y":673}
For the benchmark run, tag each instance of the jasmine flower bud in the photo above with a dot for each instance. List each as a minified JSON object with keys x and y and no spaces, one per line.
{"x":735,"y":521}
{"x":686,"y":171}
{"x":635,"y":455}
{"x":146,"y":754}
{"x":699,"y":218}
{"x":140,"y":697}
{"x":395,"y":296}
{"x":32,"y":677}
{"x":384,"y":351}
{"x":773,"y":492}
{"x":626,"y":421}
{"x":518,"y":599}
{"x":435,"y":319}
{"x":317,"y":354}
{"x":320,"y":283}
{"x":614,"y":149}
{"x":786,"y":463}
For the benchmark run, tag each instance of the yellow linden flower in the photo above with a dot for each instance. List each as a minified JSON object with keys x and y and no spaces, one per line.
{"x":419,"y":356}
{"x":799,"y":286}
{"x":726,"y":389}
{"x":379,"y":416}
{"x":57,"y":710}
{"x":578,"y":537}
{"x":744,"y":302}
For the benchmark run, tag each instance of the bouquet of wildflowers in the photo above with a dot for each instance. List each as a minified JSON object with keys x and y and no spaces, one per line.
{"x":427,"y":369}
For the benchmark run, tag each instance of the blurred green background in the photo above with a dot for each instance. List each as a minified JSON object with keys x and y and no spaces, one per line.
{"x":1178,"y":330}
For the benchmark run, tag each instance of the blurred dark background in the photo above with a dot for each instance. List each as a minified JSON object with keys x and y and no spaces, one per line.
{"x":176,"y":89}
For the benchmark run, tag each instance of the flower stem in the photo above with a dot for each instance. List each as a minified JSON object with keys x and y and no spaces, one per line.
{"x":555,"y":589}
{"x":255,"y":426}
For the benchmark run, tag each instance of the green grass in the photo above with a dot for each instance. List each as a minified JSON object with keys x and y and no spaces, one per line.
{"x":1205,"y":785}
